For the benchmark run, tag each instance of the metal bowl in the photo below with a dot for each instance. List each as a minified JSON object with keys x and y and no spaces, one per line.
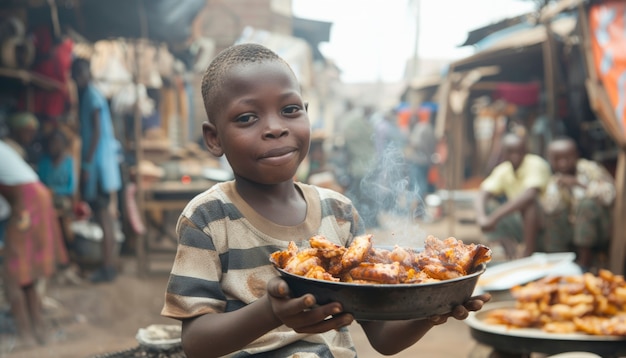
{"x":383,"y":302}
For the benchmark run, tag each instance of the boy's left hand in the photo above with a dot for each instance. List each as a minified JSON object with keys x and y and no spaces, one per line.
{"x":302,"y":314}
{"x":461,"y":312}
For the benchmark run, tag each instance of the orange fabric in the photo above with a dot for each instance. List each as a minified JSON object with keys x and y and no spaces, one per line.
{"x":608,"y":38}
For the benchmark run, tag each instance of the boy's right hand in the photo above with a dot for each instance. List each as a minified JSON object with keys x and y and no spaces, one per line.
{"x":301,"y":313}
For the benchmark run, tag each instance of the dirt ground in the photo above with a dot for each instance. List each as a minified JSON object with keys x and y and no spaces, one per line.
{"x":91,"y":320}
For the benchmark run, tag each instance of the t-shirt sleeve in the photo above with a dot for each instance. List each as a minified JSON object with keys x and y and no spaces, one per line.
{"x":538,"y":175}
{"x":494,"y":183}
{"x":193,"y":288}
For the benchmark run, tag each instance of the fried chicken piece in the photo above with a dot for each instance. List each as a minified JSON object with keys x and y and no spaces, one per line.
{"x":391,"y":273}
{"x":303,"y":261}
{"x":318,"y":272}
{"x":404,"y":256}
{"x":560,"y":327}
{"x":439,"y":270}
{"x":379,"y":255}
{"x":563,"y":312}
{"x":357,"y":251}
{"x":328,"y":248}
{"x":533,"y":292}
{"x":510,"y":317}
{"x":280,"y":258}
{"x":454,"y":255}
{"x":590,"y":324}
{"x":414,"y":276}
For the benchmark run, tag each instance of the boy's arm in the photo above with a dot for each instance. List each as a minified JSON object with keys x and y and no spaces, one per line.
{"x":215,"y":335}
{"x":392,"y":337}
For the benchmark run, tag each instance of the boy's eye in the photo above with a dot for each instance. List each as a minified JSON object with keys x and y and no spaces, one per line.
{"x":245,"y":118}
{"x":291,"y":109}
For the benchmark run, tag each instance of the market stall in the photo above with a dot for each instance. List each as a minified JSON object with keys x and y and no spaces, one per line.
{"x":140,"y":57}
{"x":539,"y":77}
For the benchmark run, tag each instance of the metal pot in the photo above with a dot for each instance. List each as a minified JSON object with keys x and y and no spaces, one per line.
{"x":377,"y":302}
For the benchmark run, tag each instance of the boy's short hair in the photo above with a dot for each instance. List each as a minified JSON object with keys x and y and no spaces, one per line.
{"x":235,"y":55}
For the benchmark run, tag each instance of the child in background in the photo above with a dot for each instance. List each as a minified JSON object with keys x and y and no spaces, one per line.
{"x":222,"y":286}
{"x":56,"y":171}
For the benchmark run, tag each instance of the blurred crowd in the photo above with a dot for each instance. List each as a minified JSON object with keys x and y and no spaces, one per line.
{"x":60,"y":166}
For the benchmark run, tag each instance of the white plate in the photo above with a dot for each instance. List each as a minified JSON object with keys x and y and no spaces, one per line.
{"x":506,"y":275}
{"x":476,"y":321}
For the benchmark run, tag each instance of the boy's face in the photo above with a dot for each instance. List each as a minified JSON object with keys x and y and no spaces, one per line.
{"x":261,"y":124}
{"x":514,"y":150}
{"x":563,"y":157}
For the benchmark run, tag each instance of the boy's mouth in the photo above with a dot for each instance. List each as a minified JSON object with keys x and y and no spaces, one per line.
{"x":278,"y":156}
{"x":278,"y":152}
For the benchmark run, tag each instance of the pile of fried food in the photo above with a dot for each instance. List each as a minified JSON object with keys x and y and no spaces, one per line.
{"x":361,"y":262}
{"x":587,"y":303}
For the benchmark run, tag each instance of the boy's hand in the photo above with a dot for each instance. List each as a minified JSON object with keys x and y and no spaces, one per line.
{"x":301,"y":313}
{"x":461,"y":312}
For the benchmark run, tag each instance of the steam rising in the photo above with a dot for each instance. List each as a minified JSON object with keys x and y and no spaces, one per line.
{"x":397,"y":203}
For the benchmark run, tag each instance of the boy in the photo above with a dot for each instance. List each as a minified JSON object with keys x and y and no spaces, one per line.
{"x":222,"y":287}
{"x":577,"y":203}
{"x":521,"y":179}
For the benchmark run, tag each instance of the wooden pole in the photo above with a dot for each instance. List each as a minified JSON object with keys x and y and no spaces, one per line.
{"x":142,"y":259}
{"x":550,"y":76}
{"x":618,"y":242}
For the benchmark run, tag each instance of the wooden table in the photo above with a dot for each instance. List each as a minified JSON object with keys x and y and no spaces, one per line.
{"x":164,"y":200}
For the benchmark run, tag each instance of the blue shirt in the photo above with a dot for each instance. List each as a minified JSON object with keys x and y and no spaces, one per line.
{"x":104,"y":172}
{"x":60,"y":177}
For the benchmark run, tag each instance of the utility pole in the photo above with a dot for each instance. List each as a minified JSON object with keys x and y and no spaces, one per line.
{"x":416,"y":5}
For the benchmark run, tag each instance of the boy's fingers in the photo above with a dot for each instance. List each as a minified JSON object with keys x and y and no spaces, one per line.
{"x":460,"y":312}
{"x":335,"y":322}
{"x":277,"y":287}
{"x":474,"y":305}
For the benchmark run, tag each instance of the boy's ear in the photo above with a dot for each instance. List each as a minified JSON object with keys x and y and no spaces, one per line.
{"x":209,"y":133}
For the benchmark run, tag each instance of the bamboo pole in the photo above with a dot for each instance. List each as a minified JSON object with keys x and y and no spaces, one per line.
{"x":141,"y":247}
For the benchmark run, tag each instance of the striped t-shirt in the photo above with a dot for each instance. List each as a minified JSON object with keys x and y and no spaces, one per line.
{"x":222,"y":262}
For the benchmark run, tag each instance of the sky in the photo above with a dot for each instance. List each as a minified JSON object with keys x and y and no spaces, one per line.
{"x":373,"y":39}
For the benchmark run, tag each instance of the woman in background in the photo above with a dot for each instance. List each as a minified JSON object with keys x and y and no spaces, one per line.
{"x":33,"y":246}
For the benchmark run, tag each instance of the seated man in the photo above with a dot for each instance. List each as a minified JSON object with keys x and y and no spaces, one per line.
{"x":577,"y":204}
{"x":520,"y":180}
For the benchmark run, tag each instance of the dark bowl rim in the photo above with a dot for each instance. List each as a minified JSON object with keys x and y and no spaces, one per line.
{"x":478,"y":270}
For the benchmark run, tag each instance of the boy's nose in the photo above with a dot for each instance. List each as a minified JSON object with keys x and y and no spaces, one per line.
{"x":275,"y":128}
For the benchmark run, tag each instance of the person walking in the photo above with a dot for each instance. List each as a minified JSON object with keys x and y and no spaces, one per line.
{"x":100,"y":173}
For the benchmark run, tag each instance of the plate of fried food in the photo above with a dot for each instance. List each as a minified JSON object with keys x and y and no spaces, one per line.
{"x":384,"y":283}
{"x":584,"y":307}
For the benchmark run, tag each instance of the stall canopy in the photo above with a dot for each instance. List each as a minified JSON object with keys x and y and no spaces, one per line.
{"x":166,"y":21}
{"x":313,"y":32}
